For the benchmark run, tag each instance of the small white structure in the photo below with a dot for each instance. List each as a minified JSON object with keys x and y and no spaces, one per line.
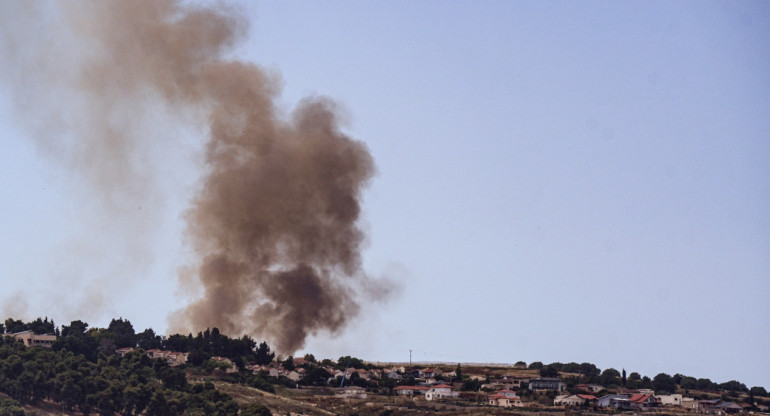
{"x":503,"y":400}
{"x":352,"y":392}
{"x":670,"y":399}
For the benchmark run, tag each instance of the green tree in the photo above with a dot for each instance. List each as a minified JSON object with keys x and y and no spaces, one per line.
{"x":148,"y":340}
{"x":688,"y":383}
{"x":734,"y":386}
{"x":459,"y":372}
{"x":13,"y":326}
{"x":705,"y":384}
{"x":288,"y":363}
{"x":570,"y":368}
{"x":123,"y":333}
{"x":535,"y":365}
{"x":550,"y":370}
{"x":471,"y":385}
{"x":610,"y":377}
{"x":663,"y":383}
{"x":317,"y":376}
{"x":178,"y":342}
{"x":10,"y":407}
{"x":158,"y":405}
{"x":350,"y":362}
{"x":263,"y":354}
{"x":75,"y":328}
{"x":41,"y":326}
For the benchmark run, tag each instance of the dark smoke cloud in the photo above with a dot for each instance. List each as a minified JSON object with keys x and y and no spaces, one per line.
{"x":274,"y":223}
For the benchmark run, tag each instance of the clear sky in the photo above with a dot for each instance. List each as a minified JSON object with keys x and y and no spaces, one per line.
{"x":556,"y":181}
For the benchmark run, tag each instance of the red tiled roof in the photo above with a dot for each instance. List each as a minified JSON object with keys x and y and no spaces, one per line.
{"x":445,"y":386}
{"x":638,"y":398}
{"x":587,"y":396}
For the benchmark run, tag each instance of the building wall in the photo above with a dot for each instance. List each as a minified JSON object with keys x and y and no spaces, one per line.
{"x":31,"y":339}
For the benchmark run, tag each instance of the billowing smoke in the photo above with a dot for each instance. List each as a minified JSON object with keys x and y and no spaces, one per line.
{"x":273,"y":222}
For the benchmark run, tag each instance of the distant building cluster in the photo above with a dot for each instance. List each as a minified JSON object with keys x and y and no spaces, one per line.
{"x":433,"y":384}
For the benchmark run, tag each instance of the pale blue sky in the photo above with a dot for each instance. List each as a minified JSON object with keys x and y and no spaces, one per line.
{"x":557,"y":181}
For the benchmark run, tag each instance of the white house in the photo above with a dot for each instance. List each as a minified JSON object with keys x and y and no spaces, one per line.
{"x":352,"y":392}
{"x":670,"y":399}
{"x":573,"y":400}
{"x":502,"y":400}
{"x":410,"y":390}
{"x":440,"y":391}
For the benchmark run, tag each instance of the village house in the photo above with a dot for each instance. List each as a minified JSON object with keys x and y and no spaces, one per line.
{"x":508,"y":393}
{"x":643,"y":401}
{"x":501,"y":400}
{"x":689,"y":403}
{"x":31,"y":339}
{"x":121,"y":352}
{"x":616,"y":401}
{"x":728,"y":407}
{"x":352,"y":392}
{"x":547,"y":383}
{"x":439,"y":392}
{"x":410,"y":390}
{"x":176,"y":358}
{"x":669,"y":399}
{"x":428,"y":373}
{"x":708,"y":406}
{"x":394,"y":376}
{"x":574,"y":400}
{"x":511,"y":382}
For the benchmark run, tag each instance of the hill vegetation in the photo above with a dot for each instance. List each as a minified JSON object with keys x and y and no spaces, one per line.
{"x":109,"y":371}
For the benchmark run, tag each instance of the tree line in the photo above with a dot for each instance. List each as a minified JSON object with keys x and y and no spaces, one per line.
{"x":81,"y":372}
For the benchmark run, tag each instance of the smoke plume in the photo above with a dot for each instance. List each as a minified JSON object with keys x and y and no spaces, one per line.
{"x":273,"y":223}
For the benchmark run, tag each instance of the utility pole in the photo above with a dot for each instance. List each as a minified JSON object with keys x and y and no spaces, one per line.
{"x":410,"y":358}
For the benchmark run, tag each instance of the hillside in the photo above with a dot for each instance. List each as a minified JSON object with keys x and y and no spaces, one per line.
{"x":76,"y":370}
